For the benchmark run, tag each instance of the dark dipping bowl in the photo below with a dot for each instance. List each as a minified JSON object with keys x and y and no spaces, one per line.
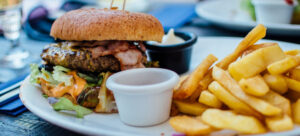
{"x":176,"y":57}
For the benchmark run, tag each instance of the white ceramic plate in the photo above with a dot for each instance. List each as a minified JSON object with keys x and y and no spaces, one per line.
{"x":228,"y":14}
{"x":110,"y":124}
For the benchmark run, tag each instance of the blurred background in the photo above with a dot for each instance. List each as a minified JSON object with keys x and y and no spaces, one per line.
{"x":25,"y":24}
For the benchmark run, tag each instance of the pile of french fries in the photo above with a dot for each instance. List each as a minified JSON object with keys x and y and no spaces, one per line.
{"x":253,"y":90}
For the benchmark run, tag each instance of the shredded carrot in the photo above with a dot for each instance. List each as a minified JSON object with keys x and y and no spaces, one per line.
{"x":46,"y":87}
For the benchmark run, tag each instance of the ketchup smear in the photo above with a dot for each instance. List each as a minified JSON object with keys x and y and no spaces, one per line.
{"x":289,"y":2}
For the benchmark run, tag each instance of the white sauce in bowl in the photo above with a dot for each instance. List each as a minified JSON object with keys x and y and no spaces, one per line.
{"x":169,"y":39}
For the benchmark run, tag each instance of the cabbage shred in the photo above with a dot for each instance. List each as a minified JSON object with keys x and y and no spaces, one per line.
{"x":60,"y":75}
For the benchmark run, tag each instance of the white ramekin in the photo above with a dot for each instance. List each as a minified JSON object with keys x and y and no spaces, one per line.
{"x":143,"y":95}
{"x":273,"y":11}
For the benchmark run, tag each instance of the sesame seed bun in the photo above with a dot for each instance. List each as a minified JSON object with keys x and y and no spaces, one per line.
{"x":106,"y":24}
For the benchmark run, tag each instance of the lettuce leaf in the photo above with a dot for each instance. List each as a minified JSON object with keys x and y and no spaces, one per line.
{"x":48,"y":77}
{"x":88,"y":78}
{"x":61,"y":68}
{"x":92,"y":80}
{"x":36,"y":73}
{"x":60,"y":75}
{"x":82,"y":111}
{"x":65,"y":104}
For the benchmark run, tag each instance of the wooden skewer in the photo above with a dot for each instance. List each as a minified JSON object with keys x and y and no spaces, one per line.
{"x":124,"y":3}
{"x":111,"y":4}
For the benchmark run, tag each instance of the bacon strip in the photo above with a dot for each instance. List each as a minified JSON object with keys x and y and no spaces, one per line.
{"x":129,"y":59}
{"x":128,"y":55}
{"x":110,"y":49}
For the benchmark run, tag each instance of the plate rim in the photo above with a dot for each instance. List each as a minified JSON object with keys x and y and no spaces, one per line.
{"x":83,"y":130}
{"x":64,"y":124}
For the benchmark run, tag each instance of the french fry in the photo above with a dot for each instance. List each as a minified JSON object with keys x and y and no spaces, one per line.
{"x":190,"y":125}
{"x":255,"y":62}
{"x":256,"y":47}
{"x":278,"y":101}
{"x":231,"y":101}
{"x":276,"y":83}
{"x":207,"y":79}
{"x":194,"y":97}
{"x":252,"y":37}
{"x":190,"y":108}
{"x":295,"y":73}
{"x":230,"y":84}
{"x":255,"y":86}
{"x":279,"y":123}
{"x":258,"y":89}
{"x":292,"y":52}
{"x":248,"y":66}
{"x":272,"y":54}
{"x":174,"y":110}
{"x":209,"y":99}
{"x":191,"y":83}
{"x":282,"y":66}
{"x":230,"y":120}
{"x":296,"y":111}
{"x":181,"y":80}
{"x":293,"y":84}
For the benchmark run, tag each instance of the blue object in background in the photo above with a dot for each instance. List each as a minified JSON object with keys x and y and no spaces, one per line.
{"x":13,"y":105}
{"x":174,"y":15}
{"x":38,"y":23}
{"x":12,"y":82}
{"x":15,"y":112}
{"x":17,"y":103}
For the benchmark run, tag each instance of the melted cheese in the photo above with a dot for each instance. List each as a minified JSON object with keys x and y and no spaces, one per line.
{"x":59,"y":90}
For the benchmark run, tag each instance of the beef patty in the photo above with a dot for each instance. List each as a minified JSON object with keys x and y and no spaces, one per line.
{"x":91,"y":59}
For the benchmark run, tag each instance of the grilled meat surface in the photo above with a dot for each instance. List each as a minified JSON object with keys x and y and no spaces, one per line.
{"x":98,"y":57}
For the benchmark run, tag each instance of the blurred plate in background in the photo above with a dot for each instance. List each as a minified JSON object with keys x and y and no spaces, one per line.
{"x":229,"y":15}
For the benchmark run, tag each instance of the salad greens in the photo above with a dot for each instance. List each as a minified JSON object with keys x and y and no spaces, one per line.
{"x":45,"y":96}
{"x":248,"y":6}
{"x":36,"y":73}
{"x":60,"y":75}
{"x":91,"y":80}
{"x":296,"y":15}
{"x":65,"y":104}
{"x":152,"y":64}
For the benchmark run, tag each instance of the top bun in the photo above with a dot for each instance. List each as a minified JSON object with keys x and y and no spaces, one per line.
{"x":106,"y":24}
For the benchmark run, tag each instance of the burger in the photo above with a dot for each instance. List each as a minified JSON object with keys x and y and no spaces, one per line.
{"x":92,"y":45}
